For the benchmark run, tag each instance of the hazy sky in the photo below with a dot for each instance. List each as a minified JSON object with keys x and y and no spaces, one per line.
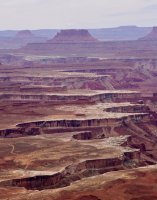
{"x":34,"y":14}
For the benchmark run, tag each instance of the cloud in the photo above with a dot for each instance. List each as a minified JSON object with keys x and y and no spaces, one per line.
{"x":22,"y":14}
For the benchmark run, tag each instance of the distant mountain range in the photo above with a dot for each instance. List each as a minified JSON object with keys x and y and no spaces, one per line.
{"x":104,"y":34}
{"x":120,"y":33}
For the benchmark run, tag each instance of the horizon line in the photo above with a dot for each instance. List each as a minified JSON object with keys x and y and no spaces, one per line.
{"x":77,"y":28}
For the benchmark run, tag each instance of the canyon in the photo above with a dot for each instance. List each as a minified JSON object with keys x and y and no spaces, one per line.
{"x":79,"y":119}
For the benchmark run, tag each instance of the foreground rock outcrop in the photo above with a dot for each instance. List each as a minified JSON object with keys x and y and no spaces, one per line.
{"x":76,"y":172}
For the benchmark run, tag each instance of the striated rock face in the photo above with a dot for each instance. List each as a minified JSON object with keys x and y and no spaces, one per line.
{"x":24,"y":34}
{"x":136,"y":118}
{"x":73,"y":36}
{"x":19,"y":132}
{"x":88,"y":135}
{"x":151,"y":36}
{"x":74,"y":172}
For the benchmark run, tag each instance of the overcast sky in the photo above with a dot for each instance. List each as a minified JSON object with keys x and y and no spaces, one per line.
{"x":35,"y":14}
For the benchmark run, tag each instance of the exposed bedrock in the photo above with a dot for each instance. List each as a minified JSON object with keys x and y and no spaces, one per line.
{"x":129,"y":109}
{"x":19,"y":132}
{"x":88,"y":122}
{"x":29,"y":83}
{"x":103,"y":97}
{"x":52,"y":79}
{"x":76,"y":172}
{"x":88,"y":136}
{"x":143,"y":137}
{"x":86,"y":129}
{"x":36,"y":128}
{"x":22,"y":132}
